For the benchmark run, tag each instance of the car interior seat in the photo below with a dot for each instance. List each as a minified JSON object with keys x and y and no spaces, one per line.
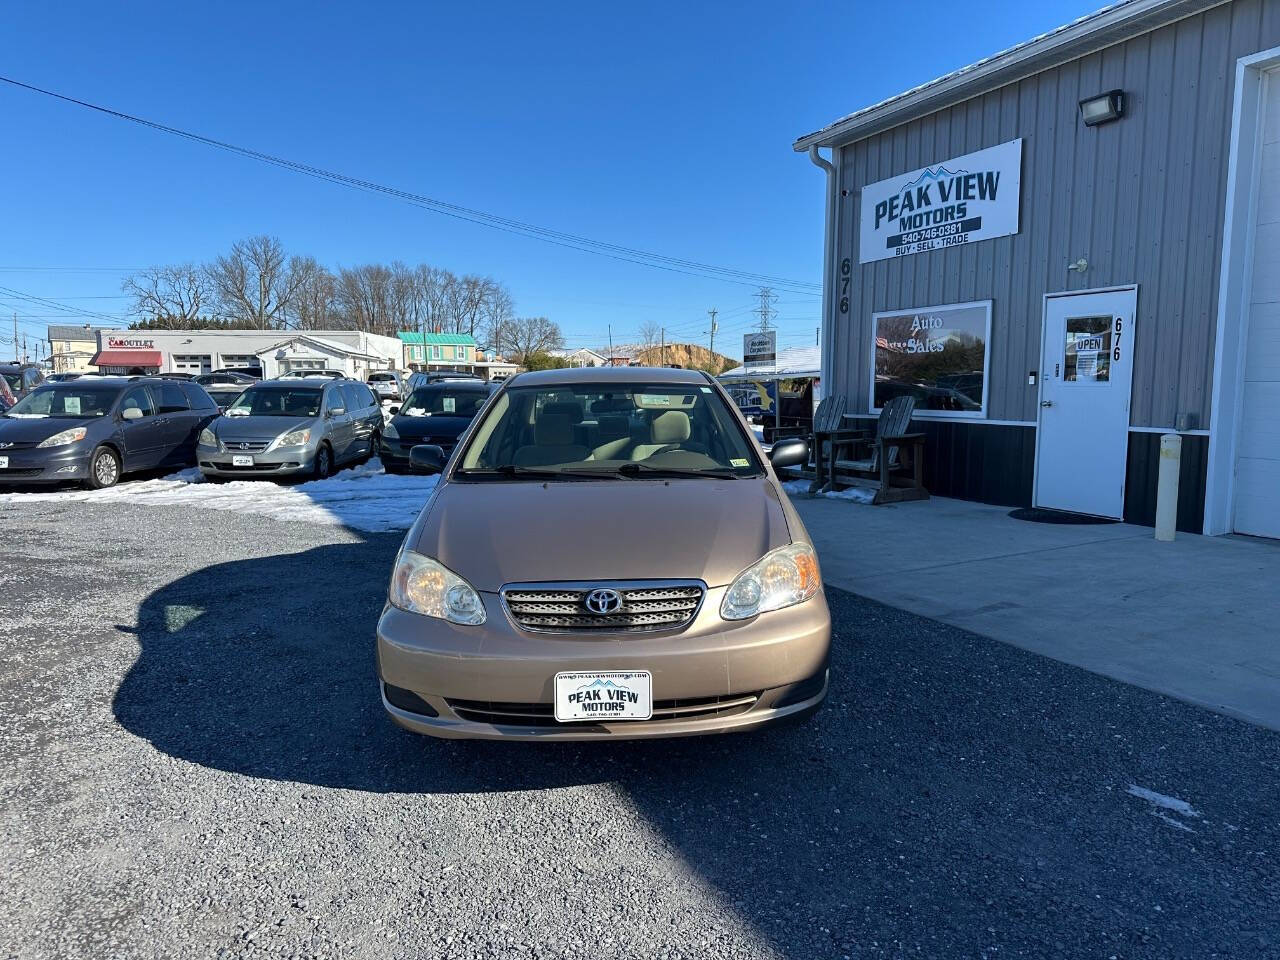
{"x":667,"y":431}
{"x":553,"y":442}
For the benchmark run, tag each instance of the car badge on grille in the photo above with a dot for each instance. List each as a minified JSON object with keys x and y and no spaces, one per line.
{"x":603,"y":601}
{"x":244,"y":446}
{"x":5,"y":446}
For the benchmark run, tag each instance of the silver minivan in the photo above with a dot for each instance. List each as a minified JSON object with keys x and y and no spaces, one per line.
{"x":292,"y":427}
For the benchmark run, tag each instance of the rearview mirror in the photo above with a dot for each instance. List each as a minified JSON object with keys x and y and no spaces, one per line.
{"x":792,"y":452}
{"x":393,"y":411}
{"x":426,"y":458}
{"x":131,"y":413}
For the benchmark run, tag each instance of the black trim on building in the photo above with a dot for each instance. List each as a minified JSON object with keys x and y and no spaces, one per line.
{"x":1144,"y":473}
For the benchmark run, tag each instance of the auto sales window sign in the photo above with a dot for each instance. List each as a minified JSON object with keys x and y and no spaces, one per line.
{"x":961,"y":200}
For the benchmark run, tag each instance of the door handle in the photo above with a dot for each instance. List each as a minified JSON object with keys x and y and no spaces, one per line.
{"x":1046,"y":403}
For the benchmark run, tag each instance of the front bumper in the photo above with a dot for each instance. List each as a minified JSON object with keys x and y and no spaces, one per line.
{"x":287,"y":461}
{"x":50,"y":465}
{"x":494,"y":681}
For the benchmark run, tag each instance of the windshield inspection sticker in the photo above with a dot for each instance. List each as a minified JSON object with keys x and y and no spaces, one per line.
{"x":740,"y":462}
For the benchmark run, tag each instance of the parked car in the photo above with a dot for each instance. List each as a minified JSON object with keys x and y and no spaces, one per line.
{"x":313,"y":375}
{"x":292,"y":426}
{"x":62,"y":377}
{"x":387,"y":384}
{"x":437,"y":413}
{"x":16,"y":381}
{"x":96,"y":429}
{"x":225,"y":377}
{"x":607,"y":555}
{"x":253,"y":373}
{"x":421,"y":379}
{"x":176,"y":375}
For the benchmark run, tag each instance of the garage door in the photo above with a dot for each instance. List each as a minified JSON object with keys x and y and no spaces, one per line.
{"x":1258,"y":462}
{"x":191,"y":363}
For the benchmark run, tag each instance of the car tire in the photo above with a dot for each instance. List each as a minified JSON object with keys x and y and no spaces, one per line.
{"x":104,"y":469}
{"x":323,"y":467}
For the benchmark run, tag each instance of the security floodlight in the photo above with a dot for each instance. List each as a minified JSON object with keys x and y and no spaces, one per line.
{"x":1103,"y":108}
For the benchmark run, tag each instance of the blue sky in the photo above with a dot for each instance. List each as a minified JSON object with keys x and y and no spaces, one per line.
{"x":662,"y":126}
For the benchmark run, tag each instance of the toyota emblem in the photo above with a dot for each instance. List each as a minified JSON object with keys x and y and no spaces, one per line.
{"x":603,"y":601}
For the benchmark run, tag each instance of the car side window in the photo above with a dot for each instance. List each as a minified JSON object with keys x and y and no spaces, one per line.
{"x":172,"y":399}
{"x":198,"y":399}
{"x":370,"y":398}
{"x":138,"y":399}
{"x":333,"y":399}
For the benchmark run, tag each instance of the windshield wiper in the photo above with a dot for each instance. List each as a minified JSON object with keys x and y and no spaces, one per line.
{"x":538,"y":473}
{"x":637,"y":467}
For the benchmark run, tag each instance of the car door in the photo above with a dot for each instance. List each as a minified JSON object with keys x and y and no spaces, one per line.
{"x":142,"y":436}
{"x":173,"y":413}
{"x":337,"y":422}
{"x":359,"y":404}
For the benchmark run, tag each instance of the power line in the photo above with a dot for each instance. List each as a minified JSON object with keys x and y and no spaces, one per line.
{"x":505,"y":224}
{"x":76,"y":311}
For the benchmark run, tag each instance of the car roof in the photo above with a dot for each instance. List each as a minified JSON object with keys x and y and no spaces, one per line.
{"x":464,"y":382}
{"x":572,"y":375}
{"x":293,"y":383}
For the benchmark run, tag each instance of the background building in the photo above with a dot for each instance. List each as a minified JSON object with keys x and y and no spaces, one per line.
{"x":1067,"y":250}
{"x":71,"y":347}
{"x":453,"y":352}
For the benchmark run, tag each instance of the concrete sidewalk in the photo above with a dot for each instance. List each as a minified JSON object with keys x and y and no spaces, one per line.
{"x":1198,"y":619}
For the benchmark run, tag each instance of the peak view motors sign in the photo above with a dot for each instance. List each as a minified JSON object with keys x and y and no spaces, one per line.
{"x":962,"y":200}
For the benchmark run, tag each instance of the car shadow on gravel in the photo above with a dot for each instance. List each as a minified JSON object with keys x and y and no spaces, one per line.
{"x":954,"y":796}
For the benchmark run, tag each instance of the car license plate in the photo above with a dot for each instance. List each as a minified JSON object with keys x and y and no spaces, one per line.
{"x":601,"y":697}
{"x":241,"y":461}
{"x":4,"y":463}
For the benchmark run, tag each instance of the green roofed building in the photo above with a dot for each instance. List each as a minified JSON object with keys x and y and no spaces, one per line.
{"x":454,"y":352}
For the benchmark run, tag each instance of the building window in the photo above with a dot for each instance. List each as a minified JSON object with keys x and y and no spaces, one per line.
{"x":459,"y":353}
{"x":939,"y":355}
{"x":435,"y":353}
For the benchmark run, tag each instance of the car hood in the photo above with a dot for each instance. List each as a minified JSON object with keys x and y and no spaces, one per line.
{"x":229,"y":429}
{"x":35,"y":429}
{"x":434,"y":426}
{"x":494,"y":533}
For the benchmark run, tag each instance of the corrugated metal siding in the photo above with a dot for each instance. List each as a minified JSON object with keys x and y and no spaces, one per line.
{"x":1142,"y":199}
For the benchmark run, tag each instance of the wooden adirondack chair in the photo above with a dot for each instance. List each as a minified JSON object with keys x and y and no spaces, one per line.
{"x":888,"y":449}
{"x":829,"y":431}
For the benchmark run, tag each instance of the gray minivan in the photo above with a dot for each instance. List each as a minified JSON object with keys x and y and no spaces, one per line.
{"x":292,"y":427}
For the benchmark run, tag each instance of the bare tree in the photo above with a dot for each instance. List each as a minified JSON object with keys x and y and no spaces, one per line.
{"x":527,"y":336}
{"x":253,"y":281}
{"x":498,"y":311}
{"x":364,"y":297}
{"x":173,"y":294}
{"x":650,"y":335}
{"x":313,"y":304}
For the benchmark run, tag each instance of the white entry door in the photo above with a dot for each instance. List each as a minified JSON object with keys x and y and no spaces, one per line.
{"x":1086,"y":374}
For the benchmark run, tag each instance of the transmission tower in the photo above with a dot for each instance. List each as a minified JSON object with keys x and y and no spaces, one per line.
{"x":765,"y":311}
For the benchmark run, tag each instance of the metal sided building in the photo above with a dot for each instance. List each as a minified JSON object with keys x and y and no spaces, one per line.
{"x":1065,"y":251}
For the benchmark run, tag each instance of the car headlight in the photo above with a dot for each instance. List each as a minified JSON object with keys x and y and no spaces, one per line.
{"x":390,"y":432}
{"x":781,"y":578}
{"x":63,"y":438}
{"x":422,"y":585}
{"x":208,"y":438}
{"x":294,"y":438}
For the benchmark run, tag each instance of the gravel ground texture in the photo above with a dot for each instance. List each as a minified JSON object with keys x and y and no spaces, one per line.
{"x":194,"y":762}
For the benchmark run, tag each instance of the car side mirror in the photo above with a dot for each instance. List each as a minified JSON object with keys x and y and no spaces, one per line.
{"x":337,"y":411}
{"x":131,"y":413}
{"x":791,"y":452}
{"x":426,"y":458}
{"x":393,"y":411}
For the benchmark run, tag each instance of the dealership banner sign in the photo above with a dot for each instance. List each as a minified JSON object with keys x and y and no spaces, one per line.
{"x":958,"y":201}
{"x":759,"y":349}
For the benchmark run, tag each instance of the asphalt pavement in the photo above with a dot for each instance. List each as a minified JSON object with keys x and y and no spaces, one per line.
{"x":194,"y":762}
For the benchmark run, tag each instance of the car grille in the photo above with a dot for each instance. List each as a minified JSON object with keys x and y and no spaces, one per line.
{"x":561,"y":608}
{"x":17,"y":445}
{"x":245,"y":446}
{"x":255,"y":468}
{"x":21,"y":472}
{"x":543,"y":714}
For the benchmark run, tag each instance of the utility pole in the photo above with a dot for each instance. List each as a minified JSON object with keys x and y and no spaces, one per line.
{"x":664,"y":346}
{"x":15,"y":334}
{"x":766,"y":312}
{"x":611,"y":344}
{"x":712,"y":314}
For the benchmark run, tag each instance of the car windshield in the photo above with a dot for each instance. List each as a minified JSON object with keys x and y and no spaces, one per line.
{"x":71,"y":401}
{"x":609,"y":430}
{"x":443,"y":401}
{"x":272,"y":402}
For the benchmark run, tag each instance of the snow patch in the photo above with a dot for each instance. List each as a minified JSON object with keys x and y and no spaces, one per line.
{"x":1180,"y":807}
{"x":855,"y":494}
{"x":363,"y":497}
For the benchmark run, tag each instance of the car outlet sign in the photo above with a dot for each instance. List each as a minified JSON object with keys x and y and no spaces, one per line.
{"x":958,"y":201}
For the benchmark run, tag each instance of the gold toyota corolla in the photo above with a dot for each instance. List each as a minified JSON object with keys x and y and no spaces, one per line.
{"x":607,"y":555}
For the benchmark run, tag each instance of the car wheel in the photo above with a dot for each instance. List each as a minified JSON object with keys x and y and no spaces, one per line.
{"x":104,"y":468}
{"x":324,"y":462}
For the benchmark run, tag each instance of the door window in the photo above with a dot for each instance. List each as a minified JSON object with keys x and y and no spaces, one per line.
{"x":1088,"y":350}
{"x":172,"y":399}
{"x":138,"y":399}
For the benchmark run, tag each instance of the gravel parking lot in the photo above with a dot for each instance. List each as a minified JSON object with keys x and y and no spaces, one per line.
{"x":194,"y":762}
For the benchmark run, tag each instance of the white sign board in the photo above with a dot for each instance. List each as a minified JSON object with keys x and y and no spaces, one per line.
{"x":958,"y":201}
{"x":759,"y":349}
